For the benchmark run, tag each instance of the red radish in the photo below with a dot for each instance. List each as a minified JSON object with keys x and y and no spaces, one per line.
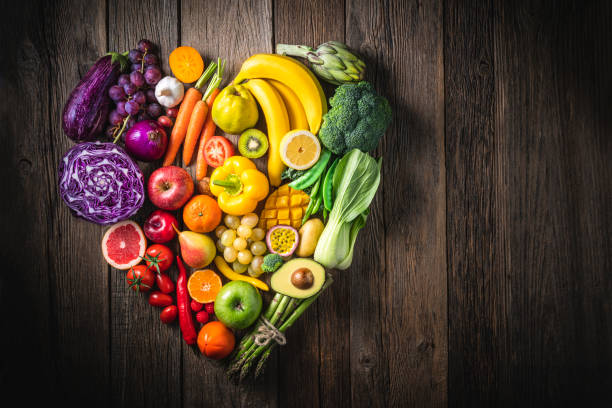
{"x":182,"y":300}
{"x":168,"y":315}
{"x":196,"y":306}
{"x":210,"y":308}
{"x":146,"y":140}
{"x":202,"y":316}
{"x":124,"y":245}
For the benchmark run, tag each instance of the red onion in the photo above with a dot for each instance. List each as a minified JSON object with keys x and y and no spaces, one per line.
{"x":146,"y":140}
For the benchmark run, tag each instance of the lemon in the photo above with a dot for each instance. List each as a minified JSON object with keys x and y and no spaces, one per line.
{"x":300,"y":149}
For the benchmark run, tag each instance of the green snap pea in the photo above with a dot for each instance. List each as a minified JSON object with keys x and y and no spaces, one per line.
{"x":327,"y":185}
{"x":312,"y":175}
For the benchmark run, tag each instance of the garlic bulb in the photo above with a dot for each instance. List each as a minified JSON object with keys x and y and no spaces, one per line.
{"x":169,"y":92}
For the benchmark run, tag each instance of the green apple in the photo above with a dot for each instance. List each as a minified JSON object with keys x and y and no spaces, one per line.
{"x":238,"y":304}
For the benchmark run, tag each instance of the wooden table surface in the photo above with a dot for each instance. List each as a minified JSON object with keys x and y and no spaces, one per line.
{"x":483,"y":276}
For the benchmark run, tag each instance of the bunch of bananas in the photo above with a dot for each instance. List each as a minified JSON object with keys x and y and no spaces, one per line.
{"x":290,"y":97}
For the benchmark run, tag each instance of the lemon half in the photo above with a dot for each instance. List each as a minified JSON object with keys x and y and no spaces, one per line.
{"x":300,"y":149}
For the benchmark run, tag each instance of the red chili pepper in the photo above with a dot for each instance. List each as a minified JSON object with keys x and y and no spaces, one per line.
{"x":182,"y":300}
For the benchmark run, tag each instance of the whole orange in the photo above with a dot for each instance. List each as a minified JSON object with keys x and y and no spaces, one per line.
{"x":215,"y":340}
{"x":202,"y":213}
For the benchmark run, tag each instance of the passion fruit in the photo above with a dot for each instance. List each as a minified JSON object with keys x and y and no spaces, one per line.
{"x":282,"y":240}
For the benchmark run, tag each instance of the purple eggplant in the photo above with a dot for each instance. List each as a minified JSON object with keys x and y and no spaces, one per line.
{"x":89,"y":104}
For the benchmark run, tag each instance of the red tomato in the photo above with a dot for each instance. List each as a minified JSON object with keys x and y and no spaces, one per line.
{"x":168,"y":315}
{"x":216,"y":150}
{"x":140,"y":278}
{"x":158,"y":258}
{"x":164,"y":283}
{"x":159,"y":299}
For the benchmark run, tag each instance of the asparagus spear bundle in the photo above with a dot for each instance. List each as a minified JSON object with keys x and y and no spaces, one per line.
{"x":252,"y":352}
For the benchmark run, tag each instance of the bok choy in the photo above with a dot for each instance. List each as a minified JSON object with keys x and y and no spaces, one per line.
{"x":355,"y":182}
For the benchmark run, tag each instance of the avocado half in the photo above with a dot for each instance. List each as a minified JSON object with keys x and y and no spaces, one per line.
{"x":299,"y":278}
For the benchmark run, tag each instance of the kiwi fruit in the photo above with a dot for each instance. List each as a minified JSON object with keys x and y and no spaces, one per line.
{"x":253,"y":143}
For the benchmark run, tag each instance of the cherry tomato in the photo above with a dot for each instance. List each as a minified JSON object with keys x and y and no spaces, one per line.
{"x":164,"y":283}
{"x":140,"y":278}
{"x":168,"y":315}
{"x":158,"y":258}
{"x":216,"y":150}
{"x":159,"y":299}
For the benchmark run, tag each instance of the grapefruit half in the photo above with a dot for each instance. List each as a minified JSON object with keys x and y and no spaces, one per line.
{"x":124,"y":245}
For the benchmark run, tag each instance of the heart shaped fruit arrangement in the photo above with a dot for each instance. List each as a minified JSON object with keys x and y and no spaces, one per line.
{"x":278,"y":229}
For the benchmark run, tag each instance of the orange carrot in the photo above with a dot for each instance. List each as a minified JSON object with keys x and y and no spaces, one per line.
{"x":207,"y":132}
{"x":192,"y":96}
{"x":179,"y":130}
{"x":196,"y":123}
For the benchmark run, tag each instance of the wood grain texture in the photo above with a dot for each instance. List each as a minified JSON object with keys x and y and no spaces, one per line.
{"x":145,"y":353}
{"x":528,"y":236}
{"x":27,"y":257}
{"x":475,"y":245}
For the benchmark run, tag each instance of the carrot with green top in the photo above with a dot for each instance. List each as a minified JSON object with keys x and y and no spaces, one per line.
{"x":198,"y":116}
{"x":179,"y":131}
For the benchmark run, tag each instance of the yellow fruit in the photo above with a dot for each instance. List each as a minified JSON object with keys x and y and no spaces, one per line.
{"x":300,"y":149}
{"x":284,"y":206}
{"x":297,"y":116}
{"x":296,"y":76}
{"x":277,"y":121}
{"x":234,"y":110}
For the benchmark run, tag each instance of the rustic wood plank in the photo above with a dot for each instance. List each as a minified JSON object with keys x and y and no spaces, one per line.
{"x":472,"y":196}
{"x":553,"y":121}
{"x":320,"y":333}
{"x":146,"y":354}
{"x":233,"y":31}
{"x":529,"y":203}
{"x":26,"y":281}
{"x":399,"y":316}
{"x":61,"y":256}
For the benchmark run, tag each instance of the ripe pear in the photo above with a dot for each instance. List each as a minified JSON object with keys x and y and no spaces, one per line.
{"x":197,"y":250}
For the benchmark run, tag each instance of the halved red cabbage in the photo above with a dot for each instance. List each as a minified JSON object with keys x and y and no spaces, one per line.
{"x":100,"y":182}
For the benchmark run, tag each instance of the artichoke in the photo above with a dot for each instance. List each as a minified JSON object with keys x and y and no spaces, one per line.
{"x":331,"y":61}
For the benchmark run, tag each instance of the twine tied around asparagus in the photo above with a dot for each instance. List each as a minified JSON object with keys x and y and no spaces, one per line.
{"x":266,"y":332}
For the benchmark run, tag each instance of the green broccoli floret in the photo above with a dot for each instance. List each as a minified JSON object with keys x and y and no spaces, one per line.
{"x":272,"y":262}
{"x":358,"y":117}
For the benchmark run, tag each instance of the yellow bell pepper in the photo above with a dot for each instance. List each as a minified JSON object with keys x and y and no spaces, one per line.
{"x":238,"y":185}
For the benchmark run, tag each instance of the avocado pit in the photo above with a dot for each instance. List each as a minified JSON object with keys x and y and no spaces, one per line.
{"x":302,"y":278}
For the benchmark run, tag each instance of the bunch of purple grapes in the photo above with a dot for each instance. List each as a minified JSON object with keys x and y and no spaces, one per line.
{"x":134,"y":93}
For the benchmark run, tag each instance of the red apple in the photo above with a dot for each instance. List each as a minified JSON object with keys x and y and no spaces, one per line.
{"x":158,"y":227}
{"x":170,"y":187}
